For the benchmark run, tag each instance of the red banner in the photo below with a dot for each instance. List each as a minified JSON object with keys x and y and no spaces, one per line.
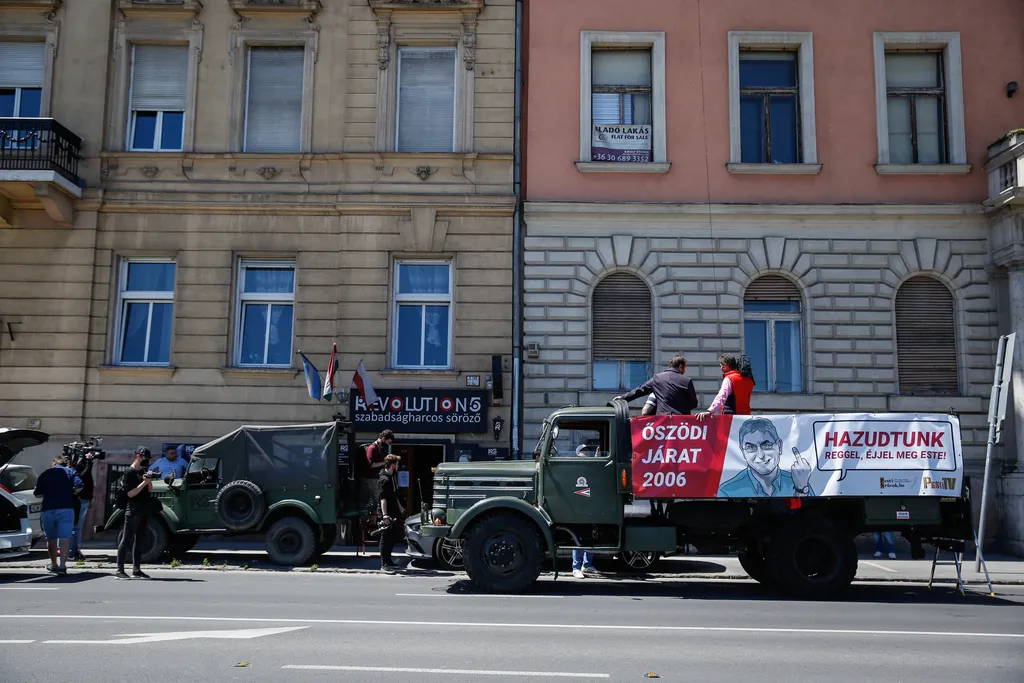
{"x":677,"y":456}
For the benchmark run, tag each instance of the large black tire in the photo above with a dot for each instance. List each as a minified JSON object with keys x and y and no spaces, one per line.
{"x":448,"y":553}
{"x":179,"y":544}
{"x":503,"y":553}
{"x":291,"y":541}
{"x":328,"y":535}
{"x":154,"y":538}
{"x":638,"y":562}
{"x":756,"y":566}
{"x":812,"y":558}
{"x":240,"y":505}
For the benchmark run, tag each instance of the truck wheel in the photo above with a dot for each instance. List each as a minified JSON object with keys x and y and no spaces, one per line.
{"x":328,"y":536}
{"x":812,"y":558}
{"x":637,"y":561}
{"x":154,"y":540}
{"x":756,"y":567}
{"x":179,"y":544}
{"x":290,"y":541}
{"x":503,"y":554}
{"x":449,"y":554}
{"x":240,"y":505}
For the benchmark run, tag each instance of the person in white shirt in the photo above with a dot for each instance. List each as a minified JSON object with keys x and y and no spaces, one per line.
{"x":170,"y":463}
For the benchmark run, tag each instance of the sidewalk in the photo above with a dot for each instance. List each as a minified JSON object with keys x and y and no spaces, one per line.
{"x":242,"y":555}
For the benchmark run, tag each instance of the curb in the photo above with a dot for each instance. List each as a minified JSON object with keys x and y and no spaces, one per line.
{"x":722,"y":576}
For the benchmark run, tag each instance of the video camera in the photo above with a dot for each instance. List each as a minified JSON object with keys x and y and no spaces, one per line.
{"x":76,"y":450}
{"x":381,"y":527}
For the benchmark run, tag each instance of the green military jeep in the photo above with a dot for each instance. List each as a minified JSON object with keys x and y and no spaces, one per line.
{"x":287,"y":483}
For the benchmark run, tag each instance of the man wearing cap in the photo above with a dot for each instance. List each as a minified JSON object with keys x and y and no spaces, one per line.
{"x":582,"y":561}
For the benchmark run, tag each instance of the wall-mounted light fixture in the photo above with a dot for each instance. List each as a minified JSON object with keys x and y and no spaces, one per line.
{"x":498,"y":423}
{"x":1011,"y":88}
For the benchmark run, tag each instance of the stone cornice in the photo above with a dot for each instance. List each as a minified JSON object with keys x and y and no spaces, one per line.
{"x":247,"y":9}
{"x":426,"y":5}
{"x":626,"y":209}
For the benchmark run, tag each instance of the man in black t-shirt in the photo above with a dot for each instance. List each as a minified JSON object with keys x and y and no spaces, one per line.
{"x":137,"y":486}
{"x":387,"y":487}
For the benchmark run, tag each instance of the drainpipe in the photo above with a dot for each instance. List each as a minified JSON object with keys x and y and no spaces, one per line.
{"x":517,"y":247}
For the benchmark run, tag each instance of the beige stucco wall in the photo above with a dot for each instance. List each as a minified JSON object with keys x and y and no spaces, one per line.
{"x":343,"y":209}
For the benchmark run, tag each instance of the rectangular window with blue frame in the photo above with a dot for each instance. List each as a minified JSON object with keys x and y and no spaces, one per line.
{"x":265,"y":314}
{"x":145,"y":312}
{"x":770,"y":107}
{"x":422,"y":323}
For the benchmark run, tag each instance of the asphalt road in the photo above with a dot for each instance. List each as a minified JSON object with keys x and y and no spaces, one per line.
{"x":298,"y":627}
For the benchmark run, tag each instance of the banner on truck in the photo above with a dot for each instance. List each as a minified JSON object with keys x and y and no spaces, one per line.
{"x":743,"y":456}
{"x":624,"y":143}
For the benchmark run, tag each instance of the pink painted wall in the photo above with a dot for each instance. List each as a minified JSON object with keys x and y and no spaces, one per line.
{"x":992,"y":45}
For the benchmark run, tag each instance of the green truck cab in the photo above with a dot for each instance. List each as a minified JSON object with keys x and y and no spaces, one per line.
{"x":512,"y":516}
{"x":292,"y":484}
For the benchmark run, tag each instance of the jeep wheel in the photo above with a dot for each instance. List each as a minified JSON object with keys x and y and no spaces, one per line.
{"x":448,"y":554}
{"x":290,"y":541}
{"x":754,"y":564}
{"x":328,"y":536}
{"x":812,"y":558}
{"x":503,"y":553}
{"x":240,"y":505}
{"x":179,"y":544}
{"x":154,"y":539}
{"x":636,"y":561}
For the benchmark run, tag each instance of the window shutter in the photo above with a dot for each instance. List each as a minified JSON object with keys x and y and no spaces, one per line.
{"x":621,"y":67}
{"x":926,"y":338}
{"x":159,"y":77}
{"x":772,"y":288}
{"x":621,"y":319}
{"x":426,"y":101}
{"x":273,"y":115}
{"x":22,"y":65}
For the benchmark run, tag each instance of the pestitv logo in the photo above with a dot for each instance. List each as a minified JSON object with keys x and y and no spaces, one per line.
{"x":943,"y":484}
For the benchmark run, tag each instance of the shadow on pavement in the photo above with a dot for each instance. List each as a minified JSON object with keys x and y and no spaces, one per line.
{"x":75,"y":575}
{"x":634,"y":589}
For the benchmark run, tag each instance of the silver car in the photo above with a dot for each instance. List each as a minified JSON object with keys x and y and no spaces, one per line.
{"x":443,"y":551}
{"x":20,"y":482}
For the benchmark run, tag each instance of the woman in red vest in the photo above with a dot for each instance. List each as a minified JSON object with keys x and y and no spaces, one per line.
{"x":737,"y":386}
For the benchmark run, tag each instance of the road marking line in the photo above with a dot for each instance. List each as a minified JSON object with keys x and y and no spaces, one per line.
{"x":16,"y":642}
{"x":139,"y":638}
{"x":880,"y":566}
{"x":29,"y":588}
{"x":562,"y":627}
{"x":459,"y":672}
{"x":477,"y":595}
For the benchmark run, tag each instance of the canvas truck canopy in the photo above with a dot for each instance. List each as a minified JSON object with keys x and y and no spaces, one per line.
{"x":275,"y":457}
{"x":744,"y":456}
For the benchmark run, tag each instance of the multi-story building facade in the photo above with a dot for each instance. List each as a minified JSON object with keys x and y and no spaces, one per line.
{"x":216,"y":185}
{"x":807,"y":184}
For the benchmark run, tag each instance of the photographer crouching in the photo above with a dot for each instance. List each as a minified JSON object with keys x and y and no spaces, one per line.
{"x":135,"y":495}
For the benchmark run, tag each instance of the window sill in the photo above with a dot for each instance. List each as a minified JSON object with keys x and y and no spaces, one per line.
{"x":162,"y":371}
{"x":936,"y":404}
{"x":922,"y":169}
{"x":413,"y":372}
{"x":773,"y":169}
{"x":261,"y":373}
{"x":622,"y":167}
{"x":785,"y":403}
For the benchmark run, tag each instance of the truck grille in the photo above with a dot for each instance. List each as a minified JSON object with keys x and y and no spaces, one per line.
{"x":462,"y":492}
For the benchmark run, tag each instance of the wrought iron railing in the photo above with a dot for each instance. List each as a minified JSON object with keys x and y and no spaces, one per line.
{"x":39,"y":145}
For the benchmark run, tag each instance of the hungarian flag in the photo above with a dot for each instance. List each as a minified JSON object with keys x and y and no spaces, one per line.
{"x":362,"y":381}
{"x":332,"y":367}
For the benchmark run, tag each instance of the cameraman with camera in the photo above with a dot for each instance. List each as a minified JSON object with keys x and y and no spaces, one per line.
{"x":136,"y":486}
{"x":83,"y":465}
{"x":387,"y":487}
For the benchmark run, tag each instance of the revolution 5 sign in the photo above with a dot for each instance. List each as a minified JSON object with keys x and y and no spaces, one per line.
{"x":426,"y":411}
{"x":796,"y":455}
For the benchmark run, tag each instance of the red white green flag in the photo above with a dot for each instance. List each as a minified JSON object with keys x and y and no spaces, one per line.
{"x":332,"y":367}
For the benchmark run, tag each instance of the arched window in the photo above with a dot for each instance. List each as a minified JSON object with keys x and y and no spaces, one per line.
{"x":772,"y":335}
{"x":926,"y":338}
{"x":621,"y":332}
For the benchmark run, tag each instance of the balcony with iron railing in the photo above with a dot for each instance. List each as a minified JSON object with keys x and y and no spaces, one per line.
{"x":1005,"y":169}
{"x":38,"y":168}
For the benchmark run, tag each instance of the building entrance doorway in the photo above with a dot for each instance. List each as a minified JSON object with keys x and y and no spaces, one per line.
{"x":416,"y":472}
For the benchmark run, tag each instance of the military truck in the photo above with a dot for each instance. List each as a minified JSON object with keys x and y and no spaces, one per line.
{"x":291,"y":484}
{"x":659,"y":485}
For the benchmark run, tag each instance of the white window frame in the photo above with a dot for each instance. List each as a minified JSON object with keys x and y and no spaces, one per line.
{"x":455,"y":91}
{"x":425,"y":299}
{"x":17,"y":98}
{"x":124,"y":297}
{"x":771,"y":317}
{"x":655,"y":42}
{"x":158,"y":132}
{"x":949,"y":44}
{"x":801,"y":42}
{"x":242,"y":298}
{"x":48,"y":34}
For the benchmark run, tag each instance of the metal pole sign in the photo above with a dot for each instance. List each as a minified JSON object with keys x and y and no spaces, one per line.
{"x":996,"y":414}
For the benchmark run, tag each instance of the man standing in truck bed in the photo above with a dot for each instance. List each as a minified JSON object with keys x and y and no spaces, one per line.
{"x":672,"y":390}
